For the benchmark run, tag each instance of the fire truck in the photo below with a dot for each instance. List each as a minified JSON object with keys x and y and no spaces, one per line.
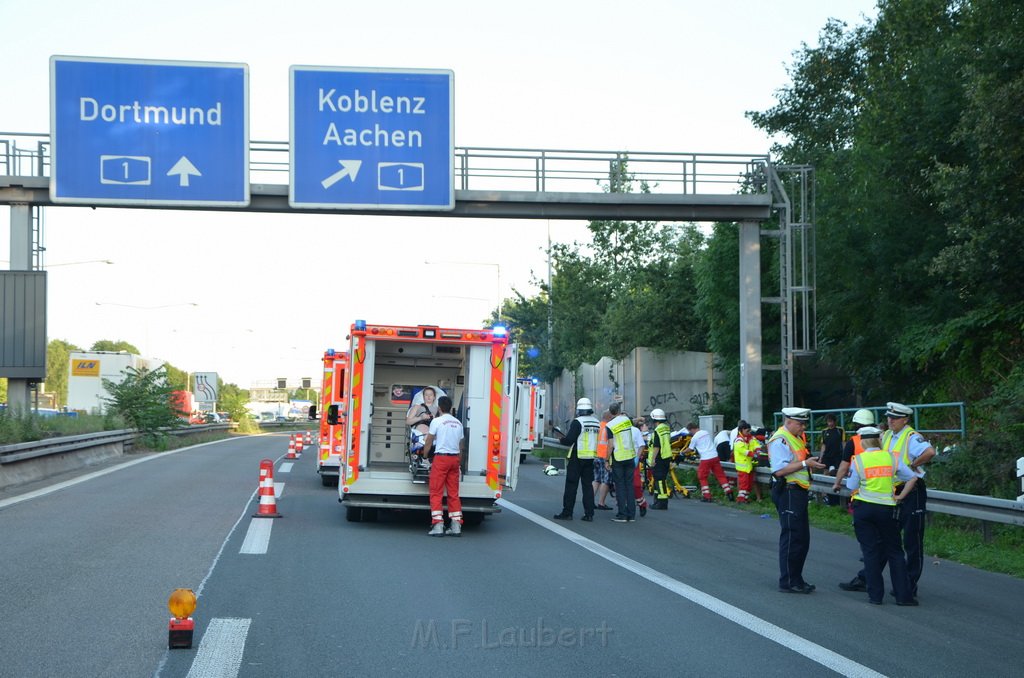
{"x":332,"y":436}
{"x":389,"y":366}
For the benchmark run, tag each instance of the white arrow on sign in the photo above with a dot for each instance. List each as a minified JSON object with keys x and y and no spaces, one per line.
{"x":349,"y":168}
{"x":183,"y":168}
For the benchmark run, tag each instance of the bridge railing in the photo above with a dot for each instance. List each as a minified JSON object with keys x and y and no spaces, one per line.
{"x":987,"y":509}
{"x":480,"y":168}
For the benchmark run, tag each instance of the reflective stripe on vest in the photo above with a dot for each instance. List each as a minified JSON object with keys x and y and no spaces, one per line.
{"x":900,"y":450}
{"x":743,"y":452}
{"x":875,"y":469}
{"x":801,"y":477}
{"x":586,"y":444}
{"x":664,"y":434}
{"x":623,"y":432}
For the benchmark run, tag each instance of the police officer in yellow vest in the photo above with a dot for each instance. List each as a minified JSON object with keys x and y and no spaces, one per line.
{"x":914,"y":451}
{"x":791,"y":480}
{"x":623,"y":462}
{"x":579,"y":465}
{"x":660,"y":451}
{"x":874,"y":475}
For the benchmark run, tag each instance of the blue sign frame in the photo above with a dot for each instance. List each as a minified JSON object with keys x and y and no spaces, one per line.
{"x":138,"y":132}
{"x":371,"y":138}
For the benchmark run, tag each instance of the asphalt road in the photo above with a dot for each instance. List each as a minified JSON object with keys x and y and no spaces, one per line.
{"x":85,"y":572}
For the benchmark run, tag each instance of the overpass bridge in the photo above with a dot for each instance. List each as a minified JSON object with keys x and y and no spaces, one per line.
{"x":514,"y":184}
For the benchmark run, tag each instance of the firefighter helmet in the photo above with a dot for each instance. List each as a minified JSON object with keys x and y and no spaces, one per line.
{"x":658,"y":414}
{"x":584,"y":404}
{"x":550,"y":470}
{"x":864,"y":418}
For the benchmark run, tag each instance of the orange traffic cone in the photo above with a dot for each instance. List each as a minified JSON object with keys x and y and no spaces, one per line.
{"x":291,"y":449}
{"x":298,"y":447}
{"x":268,"y":503}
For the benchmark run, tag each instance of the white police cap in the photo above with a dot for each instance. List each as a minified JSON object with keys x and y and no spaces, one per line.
{"x":898,"y":410}
{"x":796,"y":413}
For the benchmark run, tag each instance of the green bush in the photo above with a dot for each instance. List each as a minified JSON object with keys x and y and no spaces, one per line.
{"x":143,"y":400}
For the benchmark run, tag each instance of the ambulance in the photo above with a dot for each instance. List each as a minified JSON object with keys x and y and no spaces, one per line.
{"x":389,"y":368}
{"x":529,"y":416}
{"x":332,"y":436}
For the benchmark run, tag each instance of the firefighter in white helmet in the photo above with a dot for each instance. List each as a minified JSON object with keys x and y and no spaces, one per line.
{"x":579,"y":463}
{"x":660,"y":451}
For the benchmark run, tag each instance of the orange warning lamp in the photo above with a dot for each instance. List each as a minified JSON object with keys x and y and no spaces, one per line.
{"x":182,"y":604}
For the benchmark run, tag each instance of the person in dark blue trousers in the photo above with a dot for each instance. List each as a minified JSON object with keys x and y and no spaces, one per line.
{"x":791,"y":470}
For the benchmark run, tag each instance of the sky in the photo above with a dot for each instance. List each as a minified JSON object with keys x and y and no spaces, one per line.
{"x":255,"y":297}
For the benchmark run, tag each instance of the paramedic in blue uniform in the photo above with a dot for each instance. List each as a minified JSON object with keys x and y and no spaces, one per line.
{"x":914,"y":451}
{"x":791,"y":477}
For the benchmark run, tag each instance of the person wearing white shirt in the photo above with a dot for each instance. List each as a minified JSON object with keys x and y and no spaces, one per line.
{"x":702,"y":443}
{"x":446,"y":435}
{"x":915,"y":451}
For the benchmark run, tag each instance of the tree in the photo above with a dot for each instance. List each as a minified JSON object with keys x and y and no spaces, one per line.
{"x":913,"y":124}
{"x":233,"y":400}
{"x":177,"y":379}
{"x":115,"y":346}
{"x":143,"y":399}
{"x":58,"y":358}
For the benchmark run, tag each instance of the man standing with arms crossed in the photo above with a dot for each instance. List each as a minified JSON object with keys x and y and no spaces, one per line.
{"x":791,"y":478}
{"x":623,"y":461}
{"x":446,"y":434}
{"x":910,"y":447}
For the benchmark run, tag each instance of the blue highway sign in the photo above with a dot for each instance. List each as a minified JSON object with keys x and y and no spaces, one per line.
{"x":132,"y":132}
{"x":371,"y":139}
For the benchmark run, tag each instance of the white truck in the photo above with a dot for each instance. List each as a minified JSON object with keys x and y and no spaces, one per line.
{"x":388,"y":366}
{"x":88,"y":369}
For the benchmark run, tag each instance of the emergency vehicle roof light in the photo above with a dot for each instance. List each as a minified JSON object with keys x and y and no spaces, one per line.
{"x":330,"y":352}
{"x":535,"y":380}
{"x":360,"y":325}
{"x":500,"y":331}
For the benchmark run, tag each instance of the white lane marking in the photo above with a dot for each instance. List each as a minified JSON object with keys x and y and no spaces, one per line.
{"x":286,"y":467}
{"x":765,"y":629}
{"x":278,"y":489}
{"x":257,"y":538}
{"x":220,"y":651}
{"x":209,"y":573}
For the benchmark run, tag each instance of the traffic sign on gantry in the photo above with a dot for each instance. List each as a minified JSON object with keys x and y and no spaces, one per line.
{"x":134,"y":132}
{"x":371,"y":139}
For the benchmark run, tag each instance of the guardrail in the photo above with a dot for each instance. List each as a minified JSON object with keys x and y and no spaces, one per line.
{"x":24,"y":462}
{"x":987,"y":509}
